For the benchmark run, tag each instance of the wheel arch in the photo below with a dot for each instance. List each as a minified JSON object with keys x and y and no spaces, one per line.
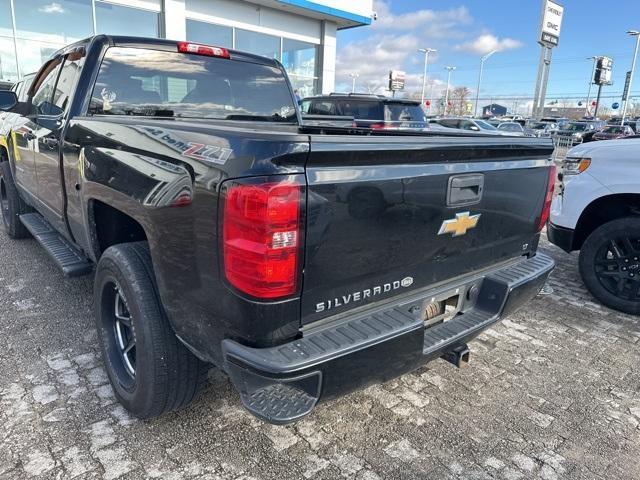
{"x":110,"y":226}
{"x":602,"y":210}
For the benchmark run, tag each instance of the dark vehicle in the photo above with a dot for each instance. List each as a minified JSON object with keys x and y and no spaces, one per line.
{"x":369,"y":111}
{"x":611,"y":132}
{"x":579,"y":131}
{"x":223,"y":232}
{"x":540,"y":129}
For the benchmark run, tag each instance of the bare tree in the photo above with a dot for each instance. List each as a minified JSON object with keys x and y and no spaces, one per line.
{"x":459,"y":98}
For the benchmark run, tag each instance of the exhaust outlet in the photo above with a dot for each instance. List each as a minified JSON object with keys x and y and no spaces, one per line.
{"x":459,"y":356}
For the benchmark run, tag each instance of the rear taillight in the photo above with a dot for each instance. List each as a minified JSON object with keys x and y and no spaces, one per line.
{"x":261,"y":235}
{"x":546,"y":207}
{"x":207,"y":50}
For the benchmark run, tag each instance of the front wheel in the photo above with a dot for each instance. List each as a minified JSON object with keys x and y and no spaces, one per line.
{"x":610,"y":264}
{"x":150,"y":371}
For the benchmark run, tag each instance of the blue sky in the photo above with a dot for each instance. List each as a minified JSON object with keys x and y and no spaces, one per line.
{"x":462,"y":31}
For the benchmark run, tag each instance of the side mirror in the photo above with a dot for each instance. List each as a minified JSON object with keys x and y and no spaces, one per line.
{"x":8,"y":100}
{"x":49,"y":109}
{"x":474,"y":128}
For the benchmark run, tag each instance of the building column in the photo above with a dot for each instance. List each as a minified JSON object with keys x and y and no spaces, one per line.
{"x":174,"y":19}
{"x":327,"y":57}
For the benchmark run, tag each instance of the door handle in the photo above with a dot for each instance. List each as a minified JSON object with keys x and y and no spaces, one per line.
{"x":465,"y":189}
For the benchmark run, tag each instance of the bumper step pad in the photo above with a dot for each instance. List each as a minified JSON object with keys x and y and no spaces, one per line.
{"x":72,"y":262}
{"x":279,"y":403}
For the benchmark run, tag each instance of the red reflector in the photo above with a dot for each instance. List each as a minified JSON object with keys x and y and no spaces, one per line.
{"x":261,"y":238}
{"x":378,"y":126}
{"x":546,"y":207}
{"x":198,"y":49}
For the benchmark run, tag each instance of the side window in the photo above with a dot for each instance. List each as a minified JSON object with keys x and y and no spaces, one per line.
{"x":24,"y":92}
{"x":67,"y":80}
{"x":322,"y":108}
{"x":18,"y":89}
{"x":42,"y":97}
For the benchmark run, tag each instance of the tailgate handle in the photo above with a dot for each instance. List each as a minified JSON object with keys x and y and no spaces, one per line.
{"x":465,"y":189}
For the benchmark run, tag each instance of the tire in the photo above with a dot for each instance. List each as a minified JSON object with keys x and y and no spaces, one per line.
{"x":610,"y":264}
{"x":11,"y":204}
{"x":157,"y":374}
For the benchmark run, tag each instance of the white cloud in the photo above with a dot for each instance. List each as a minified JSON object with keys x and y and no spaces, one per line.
{"x":392,"y":44}
{"x":52,"y":7}
{"x":486,"y":43}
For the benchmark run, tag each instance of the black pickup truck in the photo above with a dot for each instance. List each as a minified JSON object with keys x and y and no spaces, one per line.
{"x":304,"y":261}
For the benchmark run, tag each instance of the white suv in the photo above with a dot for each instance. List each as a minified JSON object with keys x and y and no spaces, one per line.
{"x":597,"y":211}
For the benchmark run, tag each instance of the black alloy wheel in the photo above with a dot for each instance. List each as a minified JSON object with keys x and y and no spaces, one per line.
{"x":610,"y":264}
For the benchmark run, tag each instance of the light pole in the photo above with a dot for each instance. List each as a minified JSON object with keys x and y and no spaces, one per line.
{"x":446,"y":95}
{"x":633,"y":33}
{"x":482,"y":60}
{"x":353,"y":81}
{"x":426,"y":52}
{"x":593,"y":72}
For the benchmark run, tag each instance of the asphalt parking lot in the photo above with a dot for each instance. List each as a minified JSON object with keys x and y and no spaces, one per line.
{"x":550,"y":393}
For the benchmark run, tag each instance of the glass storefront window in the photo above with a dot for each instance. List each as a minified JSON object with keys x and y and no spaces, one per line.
{"x":119,"y":20}
{"x":6,"y":24}
{"x":59,"y":21}
{"x":299,"y":59}
{"x":8,"y":67}
{"x":209,"y":34}
{"x":33,"y":55}
{"x":258,"y":43}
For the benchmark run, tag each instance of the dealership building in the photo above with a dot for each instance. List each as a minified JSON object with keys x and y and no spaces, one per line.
{"x":299,"y":33}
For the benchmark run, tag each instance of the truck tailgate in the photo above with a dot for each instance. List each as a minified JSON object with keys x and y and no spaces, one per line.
{"x":389,"y":215}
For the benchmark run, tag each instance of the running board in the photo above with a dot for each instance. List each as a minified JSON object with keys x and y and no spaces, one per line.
{"x":71,"y":261}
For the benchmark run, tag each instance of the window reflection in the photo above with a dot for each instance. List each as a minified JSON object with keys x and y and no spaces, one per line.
{"x":209,"y":34}
{"x":59,"y":21}
{"x":119,"y":20}
{"x":258,"y":43}
{"x":299,"y":59}
{"x":6,"y":24}
{"x":8,"y":67}
{"x":34,"y":54}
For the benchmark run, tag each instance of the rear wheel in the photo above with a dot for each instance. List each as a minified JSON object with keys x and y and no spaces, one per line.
{"x":610,"y":264}
{"x":150,"y":370}
{"x":11,"y":204}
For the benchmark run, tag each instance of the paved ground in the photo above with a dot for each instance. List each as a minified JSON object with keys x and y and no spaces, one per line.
{"x":551,"y":393}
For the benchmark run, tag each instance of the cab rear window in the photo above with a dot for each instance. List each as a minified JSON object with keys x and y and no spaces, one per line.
{"x":402,"y":112}
{"x":146,"y":82}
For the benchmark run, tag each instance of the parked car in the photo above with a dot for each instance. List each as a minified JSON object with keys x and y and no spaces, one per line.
{"x":610,"y":132}
{"x":596,"y":212}
{"x":468,"y":124}
{"x":577,"y":130}
{"x":540,"y":129}
{"x":369,"y":111}
{"x":511,"y":127}
{"x":220,"y":230}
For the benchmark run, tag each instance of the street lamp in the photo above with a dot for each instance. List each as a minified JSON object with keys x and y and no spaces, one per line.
{"x":426,"y":52}
{"x":482,"y":60}
{"x":446,"y":97}
{"x":353,"y":82}
{"x":633,"y":33}
{"x":593,"y":72}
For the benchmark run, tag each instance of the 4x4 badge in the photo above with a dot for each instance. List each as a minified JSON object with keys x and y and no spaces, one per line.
{"x":458,"y":226}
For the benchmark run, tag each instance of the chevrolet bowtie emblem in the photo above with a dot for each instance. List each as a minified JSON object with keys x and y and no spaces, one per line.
{"x":459,"y":225}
